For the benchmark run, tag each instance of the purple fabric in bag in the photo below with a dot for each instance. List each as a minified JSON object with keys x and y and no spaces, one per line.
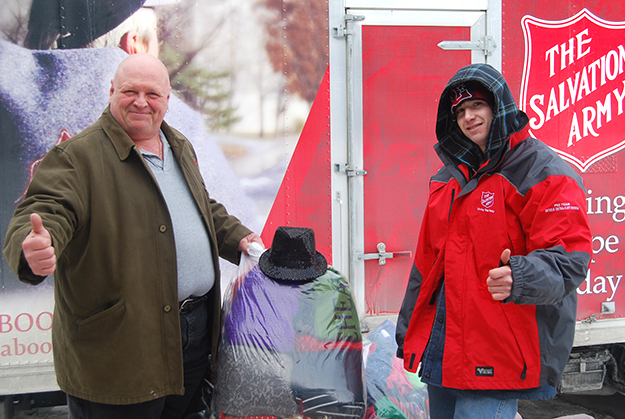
{"x":262,"y":313}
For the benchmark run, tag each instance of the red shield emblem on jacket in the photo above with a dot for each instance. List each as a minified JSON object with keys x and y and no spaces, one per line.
{"x":488,"y":199}
{"x":573,"y":86}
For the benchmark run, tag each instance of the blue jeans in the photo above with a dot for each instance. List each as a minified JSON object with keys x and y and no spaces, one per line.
{"x":195,"y":328}
{"x":446,"y":403}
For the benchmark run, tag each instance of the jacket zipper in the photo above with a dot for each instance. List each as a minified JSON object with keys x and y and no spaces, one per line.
{"x":451,"y":205}
{"x":435,"y":293}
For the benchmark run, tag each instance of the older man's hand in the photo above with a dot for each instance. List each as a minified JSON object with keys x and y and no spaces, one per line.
{"x":245,"y":242}
{"x":37,"y":248}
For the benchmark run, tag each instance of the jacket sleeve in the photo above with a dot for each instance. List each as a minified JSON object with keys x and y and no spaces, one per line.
{"x":54,"y":195}
{"x":558,"y":240}
{"x":407,"y":307}
{"x":229,"y":231}
{"x":433,"y":227}
{"x":227,"y":228}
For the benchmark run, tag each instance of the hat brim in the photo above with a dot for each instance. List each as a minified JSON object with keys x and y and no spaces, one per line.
{"x":292,"y":274}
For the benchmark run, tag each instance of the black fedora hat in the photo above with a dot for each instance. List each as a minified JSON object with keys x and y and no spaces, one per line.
{"x":292,"y":256}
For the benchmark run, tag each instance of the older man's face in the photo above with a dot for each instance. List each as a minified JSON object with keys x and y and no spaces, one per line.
{"x":140,"y":96}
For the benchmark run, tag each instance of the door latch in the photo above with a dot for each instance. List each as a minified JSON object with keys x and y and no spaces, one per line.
{"x":382,"y":254}
{"x":349,"y":170}
{"x":486,"y":44}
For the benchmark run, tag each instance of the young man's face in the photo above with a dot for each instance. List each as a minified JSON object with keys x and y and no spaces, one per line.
{"x":474,"y":118}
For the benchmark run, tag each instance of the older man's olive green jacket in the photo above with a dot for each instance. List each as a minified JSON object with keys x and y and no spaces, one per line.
{"x":116,"y":330}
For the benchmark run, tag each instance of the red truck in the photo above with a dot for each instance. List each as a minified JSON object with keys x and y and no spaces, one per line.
{"x":359,"y":175}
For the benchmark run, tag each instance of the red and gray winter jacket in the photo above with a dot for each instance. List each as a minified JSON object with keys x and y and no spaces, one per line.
{"x":523,"y":197}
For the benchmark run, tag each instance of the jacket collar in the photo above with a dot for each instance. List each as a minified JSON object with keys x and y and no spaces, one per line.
{"x":519,"y":136}
{"x":123,"y":143}
{"x":463,"y":173}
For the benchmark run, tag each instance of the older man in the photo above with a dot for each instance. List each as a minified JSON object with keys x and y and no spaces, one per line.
{"x":119,"y":213}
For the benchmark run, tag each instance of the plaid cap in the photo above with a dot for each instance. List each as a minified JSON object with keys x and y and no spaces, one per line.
{"x":469,"y":91}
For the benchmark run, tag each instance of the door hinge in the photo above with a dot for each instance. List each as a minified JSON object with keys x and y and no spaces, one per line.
{"x":341,"y":31}
{"x":382,"y":254}
{"x":486,"y":44}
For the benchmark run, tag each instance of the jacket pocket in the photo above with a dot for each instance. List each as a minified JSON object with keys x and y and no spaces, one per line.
{"x":108,"y":316}
{"x":518,"y":332}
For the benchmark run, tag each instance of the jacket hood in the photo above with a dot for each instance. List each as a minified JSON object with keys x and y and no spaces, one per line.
{"x":507,"y":118}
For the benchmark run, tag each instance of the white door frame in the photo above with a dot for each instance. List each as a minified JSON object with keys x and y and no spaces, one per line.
{"x":483,"y":16}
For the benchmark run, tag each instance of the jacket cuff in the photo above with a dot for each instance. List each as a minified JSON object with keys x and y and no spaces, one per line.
{"x":400,"y":353}
{"x":25,"y":274}
{"x":517,"y":281}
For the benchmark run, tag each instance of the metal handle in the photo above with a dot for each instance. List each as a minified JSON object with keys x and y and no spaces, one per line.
{"x":382,"y":254}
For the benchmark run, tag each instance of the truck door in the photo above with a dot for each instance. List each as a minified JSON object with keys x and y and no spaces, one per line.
{"x":394,"y":62}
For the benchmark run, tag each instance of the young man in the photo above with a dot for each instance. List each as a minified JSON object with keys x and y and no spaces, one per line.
{"x":489,"y":311}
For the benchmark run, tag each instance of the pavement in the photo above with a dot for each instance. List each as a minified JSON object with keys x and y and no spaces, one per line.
{"x":546,"y":409}
{"x":556,"y":409}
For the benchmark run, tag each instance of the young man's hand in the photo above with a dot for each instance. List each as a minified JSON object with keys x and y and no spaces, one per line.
{"x":500,"y":279}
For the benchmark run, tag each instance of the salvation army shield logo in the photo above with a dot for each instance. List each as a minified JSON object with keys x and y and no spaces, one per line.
{"x":573,"y":86}
{"x":488,"y":199}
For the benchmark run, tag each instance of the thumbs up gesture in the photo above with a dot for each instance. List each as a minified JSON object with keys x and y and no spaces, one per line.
{"x":500,"y":280}
{"x":37,"y":248}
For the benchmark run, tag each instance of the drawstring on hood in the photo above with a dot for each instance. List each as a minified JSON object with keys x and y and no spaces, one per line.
{"x":507,"y":118}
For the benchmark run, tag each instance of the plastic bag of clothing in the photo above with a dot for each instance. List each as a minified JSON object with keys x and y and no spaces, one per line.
{"x":392,"y":392}
{"x":290,"y":349}
{"x":246,"y":264}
